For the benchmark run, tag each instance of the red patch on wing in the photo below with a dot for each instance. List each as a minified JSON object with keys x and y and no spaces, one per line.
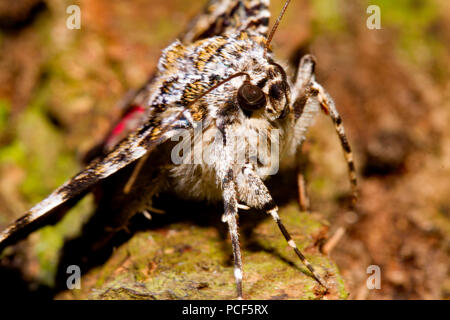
{"x":127,"y":122}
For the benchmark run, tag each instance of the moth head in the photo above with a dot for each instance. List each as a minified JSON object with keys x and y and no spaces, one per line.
{"x":265,"y":94}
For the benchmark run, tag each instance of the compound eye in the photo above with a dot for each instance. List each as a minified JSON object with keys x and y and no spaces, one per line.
{"x":251,"y":97}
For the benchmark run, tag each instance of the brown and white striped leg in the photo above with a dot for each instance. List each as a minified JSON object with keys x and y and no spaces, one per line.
{"x":328,"y":106}
{"x":291,"y":242}
{"x":305,"y":89}
{"x":265,"y":202}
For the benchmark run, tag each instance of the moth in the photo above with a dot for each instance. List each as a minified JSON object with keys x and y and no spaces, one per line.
{"x":220,"y":75}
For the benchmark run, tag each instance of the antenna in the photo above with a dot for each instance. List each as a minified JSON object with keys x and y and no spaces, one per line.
{"x":275,"y":26}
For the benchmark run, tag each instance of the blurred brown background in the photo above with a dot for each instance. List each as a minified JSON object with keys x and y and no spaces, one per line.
{"x":58,"y":89}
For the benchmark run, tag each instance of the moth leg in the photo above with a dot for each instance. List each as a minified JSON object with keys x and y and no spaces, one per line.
{"x":229,"y":216}
{"x":301,"y":90}
{"x":303,"y":117}
{"x":307,"y":89}
{"x":328,"y":106}
{"x":264,"y":201}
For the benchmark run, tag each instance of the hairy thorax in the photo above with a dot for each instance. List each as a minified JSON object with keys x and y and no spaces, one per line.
{"x":258,"y":138}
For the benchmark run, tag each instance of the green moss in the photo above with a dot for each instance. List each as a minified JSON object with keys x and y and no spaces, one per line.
{"x":47,"y":253}
{"x":14,"y":152}
{"x":40,"y":151}
{"x":185,"y":261}
{"x":47,"y":162}
{"x":327,"y":17}
{"x":413,"y":17}
{"x":342,"y":290}
{"x":414,"y":20}
{"x":5,"y":107}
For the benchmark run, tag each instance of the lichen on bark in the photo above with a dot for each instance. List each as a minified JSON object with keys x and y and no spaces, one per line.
{"x":188,"y":261}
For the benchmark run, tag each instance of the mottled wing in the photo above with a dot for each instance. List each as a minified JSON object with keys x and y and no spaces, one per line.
{"x":51,"y":209}
{"x":222,"y":17}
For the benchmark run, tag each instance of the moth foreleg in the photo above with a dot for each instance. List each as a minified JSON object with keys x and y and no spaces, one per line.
{"x":306,"y":92}
{"x":229,"y":216}
{"x":258,"y":194}
{"x":301,"y":90}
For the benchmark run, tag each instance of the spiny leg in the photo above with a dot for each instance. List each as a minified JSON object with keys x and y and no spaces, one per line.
{"x":306,"y":88}
{"x":264,"y":201}
{"x":328,"y":106}
{"x":292,"y":244}
{"x":229,"y":216}
{"x":302,"y":92}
